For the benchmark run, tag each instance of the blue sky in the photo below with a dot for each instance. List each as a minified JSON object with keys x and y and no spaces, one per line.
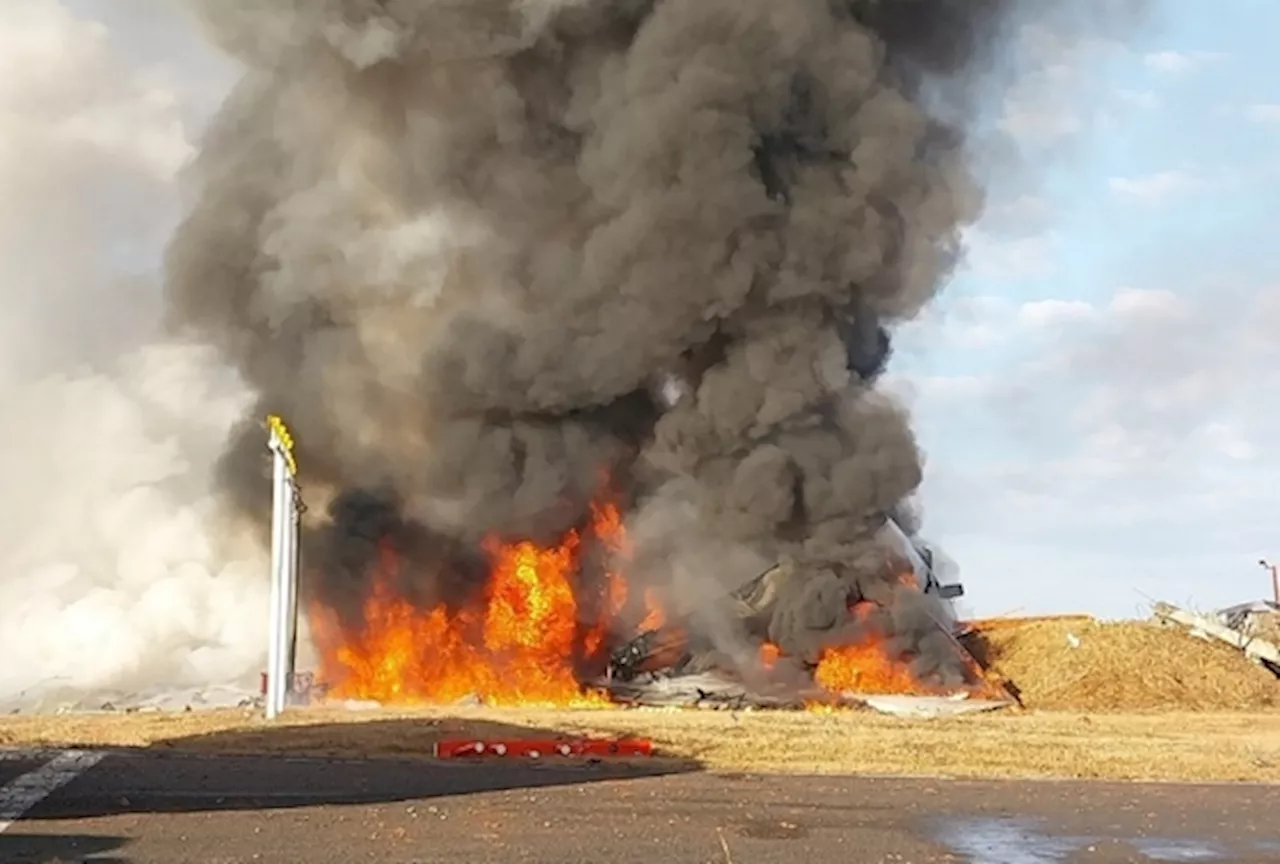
{"x":1092,"y":389}
{"x":1095,"y":389}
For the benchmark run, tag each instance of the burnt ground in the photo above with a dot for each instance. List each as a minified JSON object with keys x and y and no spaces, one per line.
{"x":158,"y":808}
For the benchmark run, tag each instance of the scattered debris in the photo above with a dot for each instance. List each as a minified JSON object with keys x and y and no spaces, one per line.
{"x":1068,"y":663}
{"x":1256,"y":649}
{"x":302,"y":689}
{"x":928,"y":707}
{"x":711,"y":691}
{"x":667,"y":665}
{"x":61,"y":700}
{"x":708,"y":690}
{"x":1260,"y":619}
{"x":535,"y":748}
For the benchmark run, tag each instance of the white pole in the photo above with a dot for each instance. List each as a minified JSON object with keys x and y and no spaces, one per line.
{"x":284,"y":567}
{"x":282,"y":625}
{"x":295,"y":524}
{"x":279,"y":600}
{"x":289,"y":583}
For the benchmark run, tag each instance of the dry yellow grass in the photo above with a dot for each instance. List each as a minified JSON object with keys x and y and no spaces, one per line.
{"x":1086,"y":665}
{"x":1197,"y":746}
{"x":1217,"y":720}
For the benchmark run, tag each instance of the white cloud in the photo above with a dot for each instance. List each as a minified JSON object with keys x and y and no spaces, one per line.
{"x":1032,"y":117}
{"x":1229,"y":441}
{"x":1052,"y":313}
{"x":1134,"y":428}
{"x":952,"y":387}
{"x":1042,"y":108}
{"x":981,"y":315}
{"x":1138,"y":302}
{"x":1022,"y":216}
{"x":963,"y":323}
{"x":1096,"y":446}
{"x":1176,"y":62}
{"x":1153,"y":188}
{"x":988,"y":256}
{"x":935,"y":391}
{"x":1143,"y":99}
{"x":1264,"y":112}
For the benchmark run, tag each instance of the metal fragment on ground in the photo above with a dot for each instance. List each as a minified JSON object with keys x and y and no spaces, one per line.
{"x":927,"y":707}
{"x":537,"y":748}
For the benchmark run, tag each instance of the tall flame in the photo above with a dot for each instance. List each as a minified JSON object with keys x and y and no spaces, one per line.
{"x":866,"y":666}
{"x":528,"y":638}
{"x":519,"y":646}
{"x":870,"y":666}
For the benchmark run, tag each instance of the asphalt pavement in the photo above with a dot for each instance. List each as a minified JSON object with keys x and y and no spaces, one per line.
{"x":165,"y":808}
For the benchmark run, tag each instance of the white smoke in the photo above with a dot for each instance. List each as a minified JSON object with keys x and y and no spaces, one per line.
{"x":114,"y":573}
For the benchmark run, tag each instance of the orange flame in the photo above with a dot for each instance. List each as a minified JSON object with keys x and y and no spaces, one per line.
{"x":866,"y":668}
{"x":518,"y":648}
{"x":870,"y":667}
{"x":525,"y":641}
{"x":655,"y":615}
{"x":769,"y":654}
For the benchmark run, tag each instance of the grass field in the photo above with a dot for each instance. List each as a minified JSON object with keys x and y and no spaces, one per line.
{"x":1156,"y":746}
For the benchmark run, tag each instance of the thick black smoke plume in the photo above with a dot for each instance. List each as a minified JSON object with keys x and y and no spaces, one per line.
{"x":475,"y":250}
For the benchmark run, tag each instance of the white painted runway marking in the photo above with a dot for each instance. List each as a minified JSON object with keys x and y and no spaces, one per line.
{"x":33,"y":787}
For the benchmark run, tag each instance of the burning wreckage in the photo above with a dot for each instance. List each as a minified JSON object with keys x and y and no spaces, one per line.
{"x":677,"y":664}
{"x":542,"y":631}
{"x":456,"y":245}
{"x":556,"y":625}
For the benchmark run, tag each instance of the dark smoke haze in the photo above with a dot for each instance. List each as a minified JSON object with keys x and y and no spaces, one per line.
{"x":476,"y":250}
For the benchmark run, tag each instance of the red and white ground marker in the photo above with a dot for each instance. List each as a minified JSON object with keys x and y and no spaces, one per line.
{"x":537,"y":748}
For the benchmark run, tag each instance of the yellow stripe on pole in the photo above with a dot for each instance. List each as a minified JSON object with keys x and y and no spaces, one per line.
{"x":286,"y":442}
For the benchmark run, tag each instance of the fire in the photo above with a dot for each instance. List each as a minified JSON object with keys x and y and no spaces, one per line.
{"x":606,"y":526}
{"x":869,"y":666}
{"x":769,"y":654}
{"x":655,"y":615}
{"x":520,"y":646}
{"x":529,"y":636}
{"x":866,"y":668}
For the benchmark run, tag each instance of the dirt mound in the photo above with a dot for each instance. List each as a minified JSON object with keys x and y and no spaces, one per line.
{"x":1078,"y":664}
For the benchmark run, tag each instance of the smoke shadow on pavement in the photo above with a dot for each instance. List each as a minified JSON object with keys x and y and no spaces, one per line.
{"x":42,"y":848}
{"x":320,"y":765}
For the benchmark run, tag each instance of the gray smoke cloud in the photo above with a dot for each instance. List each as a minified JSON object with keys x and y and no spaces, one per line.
{"x":476,"y":250}
{"x":117,"y":571}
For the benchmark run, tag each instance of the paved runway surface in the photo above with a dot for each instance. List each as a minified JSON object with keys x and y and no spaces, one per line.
{"x":154,"y":808}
